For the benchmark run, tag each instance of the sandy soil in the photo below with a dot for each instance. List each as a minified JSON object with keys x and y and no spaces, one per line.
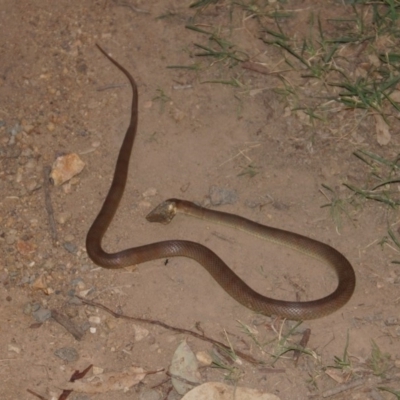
{"x":58,"y":96}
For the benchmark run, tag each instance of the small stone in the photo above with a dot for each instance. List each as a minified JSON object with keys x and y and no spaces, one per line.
{"x":27,"y":310}
{"x":68,"y":354}
{"x":177,"y":114}
{"x":70,"y":247}
{"x":25,"y":248}
{"x":150,"y":192}
{"x":84,"y":293}
{"x":69,"y":238}
{"x":149,"y":394}
{"x":10,"y":238}
{"x":63,"y":217}
{"x":76,"y":281}
{"x":39,"y":283}
{"x":140,"y":333}
{"x":13,"y":348}
{"x":94,"y":319}
{"x":28,"y":128}
{"x":41,"y":315}
{"x":51,"y":127}
{"x":204,"y":358}
{"x":66,"y":167}
{"x":32,"y":185}
{"x":111,"y":324}
{"x":97,"y":370}
{"x":31,"y":164}
{"x":144,"y":205}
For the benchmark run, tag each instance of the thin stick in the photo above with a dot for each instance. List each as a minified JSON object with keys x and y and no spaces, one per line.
{"x":303,"y":343}
{"x":252,"y":66}
{"x":132,"y":7}
{"x":48,"y":205}
{"x":245,"y":356}
{"x":67,"y":324}
{"x":343,"y":388}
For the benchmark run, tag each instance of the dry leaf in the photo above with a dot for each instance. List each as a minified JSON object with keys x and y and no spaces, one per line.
{"x":337,"y":375}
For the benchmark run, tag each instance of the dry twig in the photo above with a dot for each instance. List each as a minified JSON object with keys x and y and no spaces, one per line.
{"x":245,"y":356}
{"x":67,"y":324}
{"x":48,"y":205}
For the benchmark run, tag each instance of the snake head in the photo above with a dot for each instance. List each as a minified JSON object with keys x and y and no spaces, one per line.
{"x":163,"y":213}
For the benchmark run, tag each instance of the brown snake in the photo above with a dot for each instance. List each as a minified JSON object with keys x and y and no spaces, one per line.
{"x":225,"y":277}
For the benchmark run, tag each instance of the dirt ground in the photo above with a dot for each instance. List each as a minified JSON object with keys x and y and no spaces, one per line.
{"x":60,"y":95}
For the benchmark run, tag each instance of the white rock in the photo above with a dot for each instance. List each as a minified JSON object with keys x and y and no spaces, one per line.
{"x":220,"y":391}
{"x":66,"y":167}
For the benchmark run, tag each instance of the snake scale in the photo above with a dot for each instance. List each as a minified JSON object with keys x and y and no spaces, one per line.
{"x":224,"y":276}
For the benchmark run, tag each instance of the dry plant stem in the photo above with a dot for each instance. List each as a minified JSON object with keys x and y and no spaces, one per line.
{"x":252,"y":66}
{"x":303,"y":343}
{"x":48,"y":205}
{"x":67,"y":324}
{"x":343,"y":388}
{"x":113,"y":86}
{"x":245,"y":356}
{"x":132,"y":7}
{"x":255,"y":67}
{"x":36,"y":394}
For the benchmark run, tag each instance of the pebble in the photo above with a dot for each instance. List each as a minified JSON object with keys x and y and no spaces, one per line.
{"x":70,"y":247}
{"x":27,"y":310}
{"x":66,"y":167}
{"x":11,"y":236}
{"x":25,"y":248}
{"x":111,"y":324}
{"x":32,"y":185}
{"x":94,"y":319}
{"x":177,"y":114}
{"x":14,"y":348}
{"x":140,"y":333}
{"x":28,"y":128}
{"x":41,"y":315}
{"x":31,"y":164}
{"x":150,"y":192}
{"x":78,"y":283}
{"x":97,"y":370}
{"x":68,"y":354}
{"x":63,"y":217}
{"x":204,"y":358}
{"x":149,"y":394}
{"x":69,"y":238}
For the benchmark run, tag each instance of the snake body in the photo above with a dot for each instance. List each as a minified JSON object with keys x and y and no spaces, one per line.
{"x":224,"y":276}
